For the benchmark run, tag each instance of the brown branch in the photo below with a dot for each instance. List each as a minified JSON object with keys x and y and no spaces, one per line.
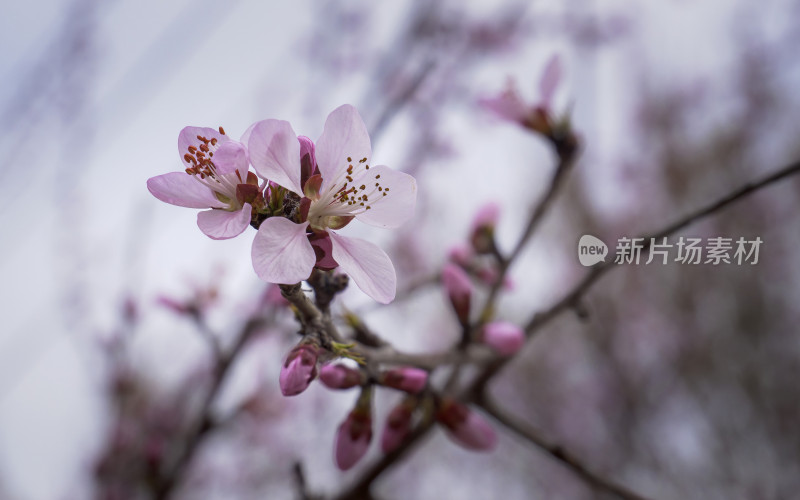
{"x":555,"y":451}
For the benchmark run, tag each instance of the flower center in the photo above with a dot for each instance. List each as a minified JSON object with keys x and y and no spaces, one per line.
{"x":204,"y":170}
{"x":353,"y":192}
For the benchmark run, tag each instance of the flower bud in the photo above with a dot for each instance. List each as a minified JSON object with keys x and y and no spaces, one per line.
{"x":482,"y":231}
{"x":299,"y":369}
{"x":504,"y":337}
{"x":407,"y":378}
{"x":465,"y":427}
{"x":459,"y":290}
{"x":398,"y":426}
{"x":354,"y":434}
{"x":336,"y":376}
{"x":460,"y":254}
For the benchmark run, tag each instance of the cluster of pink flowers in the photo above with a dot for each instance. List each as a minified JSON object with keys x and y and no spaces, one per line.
{"x":300,"y":194}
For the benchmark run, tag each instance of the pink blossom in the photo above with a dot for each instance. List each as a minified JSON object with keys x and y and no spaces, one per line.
{"x":459,"y":290}
{"x":504,"y":337}
{"x":398,"y":427}
{"x":466,"y":427}
{"x":346,"y":187}
{"x":299,"y":369}
{"x":511,"y":107}
{"x":216,"y":177}
{"x":353,"y":438}
{"x":407,"y":378}
{"x":337,"y":376}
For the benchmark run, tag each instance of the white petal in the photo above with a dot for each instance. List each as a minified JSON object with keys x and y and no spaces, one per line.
{"x":397,"y":206}
{"x":275,"y":153}
{"x":223,"y":224}
{"x":182,"y":189}
{"x":281,"y":251}
{"x":367,"y":265}
{"x":344,"y":135}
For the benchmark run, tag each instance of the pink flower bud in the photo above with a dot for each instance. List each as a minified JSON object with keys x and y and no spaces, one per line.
{"x":336,"y":376}
{"x":466,"y":427}
{"x":460,"y":254}
{"x":482,"y":231}
{"x":299,"y":369}
{"x":409,"y":379}
{"x":504,"y":337}
{"x":353,"y":438}
{"x":398,"y":426}
{"x":459,"y":289}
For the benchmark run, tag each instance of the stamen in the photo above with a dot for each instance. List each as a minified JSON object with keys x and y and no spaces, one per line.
{"x":222,"y":131}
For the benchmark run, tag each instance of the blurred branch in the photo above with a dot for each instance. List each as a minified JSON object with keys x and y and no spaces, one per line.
{"x":566,"y":160}
{"x":554,"y":450}
{"x":302,"y":485}
{"x":474,"y":392}
{"x":166,"y":483}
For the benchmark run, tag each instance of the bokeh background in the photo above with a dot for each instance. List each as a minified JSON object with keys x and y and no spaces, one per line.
{"x":680,"y":382}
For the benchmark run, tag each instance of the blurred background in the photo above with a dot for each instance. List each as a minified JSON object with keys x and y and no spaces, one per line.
{"x":680,"y":382}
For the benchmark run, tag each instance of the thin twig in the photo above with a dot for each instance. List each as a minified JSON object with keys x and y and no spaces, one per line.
{"x":564,"y":164}
{"x":555,"y":451}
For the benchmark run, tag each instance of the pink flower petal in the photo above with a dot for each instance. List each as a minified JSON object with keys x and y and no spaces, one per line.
{"x":223,"y":224}
{"x":275,"y":153}
{"x":508,"y":105}
{"x":281,"y":252}
{"x":397,"y":205}
{"x":549,"y":82}
{"x":367,"y":265}
{"x":188,"y":137}
{"x":344,"y":135}
{"x":182,"y":189}
{"x":230,"y":157}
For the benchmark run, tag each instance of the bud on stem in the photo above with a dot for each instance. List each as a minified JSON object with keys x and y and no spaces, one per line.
{"x":299,"y":369}
{"x":504,"y":337}
{"x":409,"y":379}
{"x":355,"y":433}
{"x":466,"y":427}
{"x":338,"y":376}
{"x":459,"y":290}
{"x":398,"y":425}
